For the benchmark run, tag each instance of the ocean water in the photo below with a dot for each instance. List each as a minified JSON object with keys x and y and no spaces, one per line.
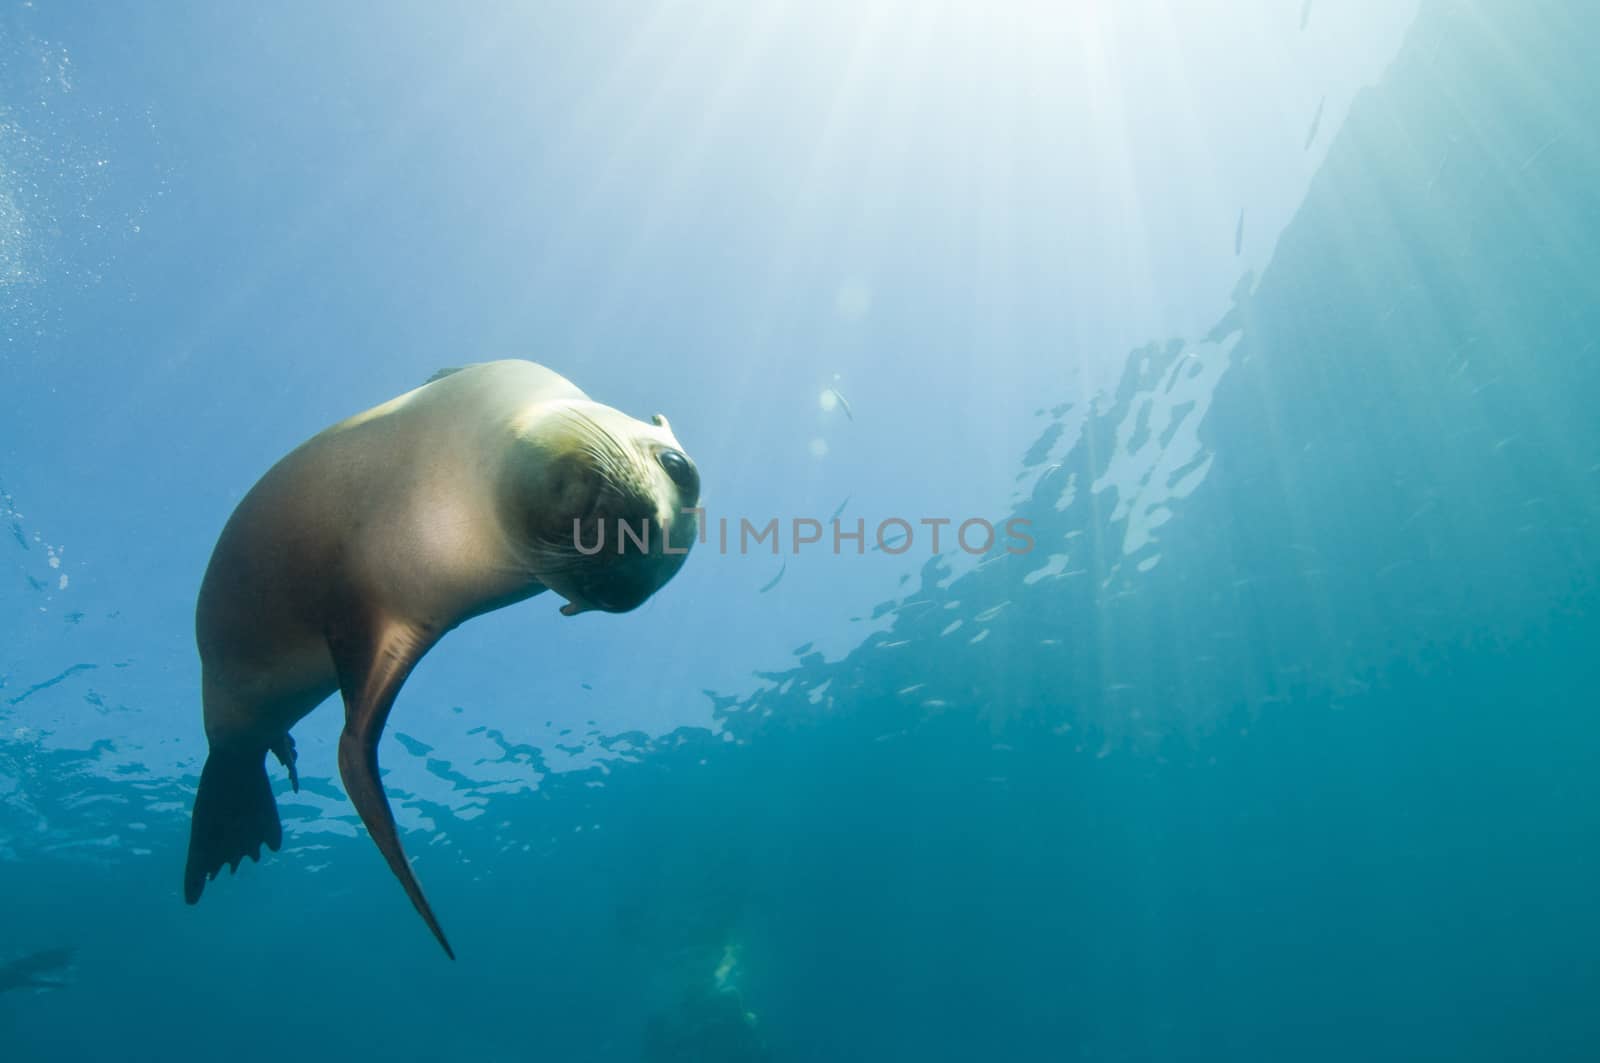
{"x":1278,"y":324}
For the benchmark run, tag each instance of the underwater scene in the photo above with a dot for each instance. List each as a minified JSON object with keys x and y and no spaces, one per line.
{"x":890,"y":530}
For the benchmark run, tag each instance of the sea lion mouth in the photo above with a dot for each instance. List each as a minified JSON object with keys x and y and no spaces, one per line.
{"x":585,"y":603}
{"x":618,"y":584}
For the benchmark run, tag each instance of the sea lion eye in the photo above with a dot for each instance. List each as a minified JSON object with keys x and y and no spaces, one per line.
{"x":681,"y":470}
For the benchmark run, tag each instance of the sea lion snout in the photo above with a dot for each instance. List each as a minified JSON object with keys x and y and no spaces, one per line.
{"x":610,"y":505}
{"x":627,"y":559}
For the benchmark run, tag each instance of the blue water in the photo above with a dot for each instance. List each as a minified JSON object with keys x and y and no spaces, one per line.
{"x":1279,"y":326}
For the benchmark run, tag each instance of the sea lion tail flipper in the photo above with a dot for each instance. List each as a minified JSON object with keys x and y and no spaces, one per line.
{"x":371,"y":672}
{"x":234,"y":815}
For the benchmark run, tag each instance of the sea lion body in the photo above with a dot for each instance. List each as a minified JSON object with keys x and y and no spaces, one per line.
{"x":394,"y":509}
{"x":358,"y":550}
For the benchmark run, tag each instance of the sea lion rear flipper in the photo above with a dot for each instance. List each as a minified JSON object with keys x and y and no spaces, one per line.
{"x":372,"y":669}
{"x":283,"y":749}
{"x":234,"y":815}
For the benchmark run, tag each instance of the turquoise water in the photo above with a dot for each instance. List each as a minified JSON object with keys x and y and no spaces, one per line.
{"x":1279,"y":744}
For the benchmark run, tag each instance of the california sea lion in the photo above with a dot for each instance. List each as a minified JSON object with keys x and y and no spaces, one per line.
{"x":355,"y":554}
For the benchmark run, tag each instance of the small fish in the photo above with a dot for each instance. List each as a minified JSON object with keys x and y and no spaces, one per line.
{"x":1316,"y":121}
{"x":844,"y":403}
{"x":884,"y":543}
{"x":1305,"y":14}
{"x":840,"y":510}
{"x":781,"y":570}
{"x":1238,"y":234}
{"x":1531,"y":159}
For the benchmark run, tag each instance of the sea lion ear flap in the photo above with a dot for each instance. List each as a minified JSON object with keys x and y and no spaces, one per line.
{"x":660,"y":421}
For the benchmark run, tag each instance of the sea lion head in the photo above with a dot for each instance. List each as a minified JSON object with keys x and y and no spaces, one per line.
{"x":604,"y":503}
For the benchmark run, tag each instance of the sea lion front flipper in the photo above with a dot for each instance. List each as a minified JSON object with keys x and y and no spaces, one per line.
{"x":372,"y":667}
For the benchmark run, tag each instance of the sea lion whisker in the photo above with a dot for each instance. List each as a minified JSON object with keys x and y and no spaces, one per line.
{"x":618,"y":467}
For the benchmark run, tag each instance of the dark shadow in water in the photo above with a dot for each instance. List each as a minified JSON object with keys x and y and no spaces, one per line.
{"x":37,"y":970}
